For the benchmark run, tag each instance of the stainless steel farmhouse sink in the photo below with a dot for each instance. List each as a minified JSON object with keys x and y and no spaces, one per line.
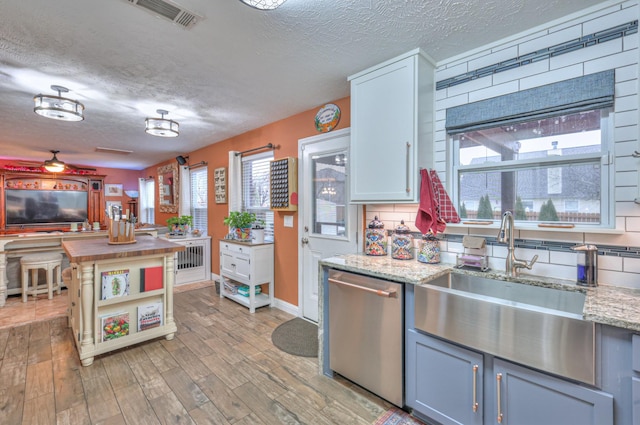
{"x":531,"y":325}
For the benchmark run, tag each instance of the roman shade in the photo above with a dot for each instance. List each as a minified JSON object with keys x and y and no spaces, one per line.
{"x":590,"y":92}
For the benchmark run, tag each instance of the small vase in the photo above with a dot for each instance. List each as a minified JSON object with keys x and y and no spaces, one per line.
{"x":257,"y":235}
{"x":243,"y":234}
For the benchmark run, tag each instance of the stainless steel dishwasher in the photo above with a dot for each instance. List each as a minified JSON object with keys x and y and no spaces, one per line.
{"x":366,"y":333}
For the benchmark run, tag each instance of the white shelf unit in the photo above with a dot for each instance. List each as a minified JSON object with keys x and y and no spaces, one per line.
{"x":251,"y":265}
{"x":194,"y":263}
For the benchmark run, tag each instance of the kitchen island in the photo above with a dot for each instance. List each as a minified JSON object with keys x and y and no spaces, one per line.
{"x":120,"y":295}
{"x":431,"y":359}
{"x":14,"y":246}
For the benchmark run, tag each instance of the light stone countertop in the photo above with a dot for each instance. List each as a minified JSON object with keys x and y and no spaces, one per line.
{"x":609,"y":305}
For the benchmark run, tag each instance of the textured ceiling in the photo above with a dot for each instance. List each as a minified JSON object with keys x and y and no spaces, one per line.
{"x":237,"y":69}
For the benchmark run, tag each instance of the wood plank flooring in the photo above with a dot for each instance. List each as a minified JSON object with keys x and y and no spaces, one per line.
{"x":220,"y":369}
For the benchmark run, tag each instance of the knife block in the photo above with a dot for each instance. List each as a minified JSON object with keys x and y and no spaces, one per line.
{"x":121,"y":232}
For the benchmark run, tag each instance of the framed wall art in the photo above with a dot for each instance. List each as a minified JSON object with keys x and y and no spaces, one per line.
{"x":220,"y":182}
{"x":112,"y":190}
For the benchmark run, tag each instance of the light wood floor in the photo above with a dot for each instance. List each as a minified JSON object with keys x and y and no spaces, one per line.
{"x":220,"y":369}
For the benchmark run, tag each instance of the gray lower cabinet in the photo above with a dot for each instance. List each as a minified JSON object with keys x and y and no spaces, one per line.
{"x":444,"y":381}
{"x":527,"y":397}
{"x":447,"y":384}
{"x":635,"y":378}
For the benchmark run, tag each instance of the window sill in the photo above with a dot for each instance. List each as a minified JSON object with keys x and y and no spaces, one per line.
{"x":535,"y":228}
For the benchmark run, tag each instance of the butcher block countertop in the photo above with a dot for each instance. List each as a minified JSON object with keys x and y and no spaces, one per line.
{"x":606,"y":304}
{"x":80,"y":250}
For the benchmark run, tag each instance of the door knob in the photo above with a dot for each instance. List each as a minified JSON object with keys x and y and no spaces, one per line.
{"x":305,"y":241}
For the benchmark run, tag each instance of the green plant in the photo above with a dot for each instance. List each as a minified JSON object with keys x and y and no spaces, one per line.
{"x":240,"y":219}
{"x":548,"y":212}
{"x":179,"y":221}
{"x":463,"y":211}
{"x":520,"y":213}
{"x":484,"y":208}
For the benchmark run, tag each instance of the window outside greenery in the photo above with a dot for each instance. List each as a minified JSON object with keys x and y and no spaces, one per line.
{"x":544,"y":170}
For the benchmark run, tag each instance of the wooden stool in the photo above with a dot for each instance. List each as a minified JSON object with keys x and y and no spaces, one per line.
{"x":50,"y":262}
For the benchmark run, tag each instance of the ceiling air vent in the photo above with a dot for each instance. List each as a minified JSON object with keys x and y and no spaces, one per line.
{"x":168,"y":10}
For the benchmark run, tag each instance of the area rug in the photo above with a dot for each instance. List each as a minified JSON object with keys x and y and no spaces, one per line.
{"x":396,"y":417}
{"x":297,"y":337}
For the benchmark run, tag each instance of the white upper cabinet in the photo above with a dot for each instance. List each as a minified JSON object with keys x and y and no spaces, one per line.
{"x":392,"y":108}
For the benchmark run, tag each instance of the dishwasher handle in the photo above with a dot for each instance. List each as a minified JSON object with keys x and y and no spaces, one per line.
{"x":378,"y":292}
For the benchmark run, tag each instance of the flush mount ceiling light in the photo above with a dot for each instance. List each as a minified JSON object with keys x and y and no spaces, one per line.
{"x":264,"y":4}
{"x":54,"y":165}
{"x":161,"y":126}
{"x":58,"y":107}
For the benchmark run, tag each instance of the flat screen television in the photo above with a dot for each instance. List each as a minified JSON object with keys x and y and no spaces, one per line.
{"x":45,"y":206}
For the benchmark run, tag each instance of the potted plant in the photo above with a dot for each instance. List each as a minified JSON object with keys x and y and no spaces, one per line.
{"x":180,"y":225}
{"x":241,"y":221}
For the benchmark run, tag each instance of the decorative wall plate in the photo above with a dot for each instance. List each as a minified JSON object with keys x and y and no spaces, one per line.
{"x":327,"y":118}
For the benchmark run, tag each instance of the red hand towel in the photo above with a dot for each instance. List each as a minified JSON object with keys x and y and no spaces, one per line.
{"x":427,"y":217}
{"x":446,"y":211}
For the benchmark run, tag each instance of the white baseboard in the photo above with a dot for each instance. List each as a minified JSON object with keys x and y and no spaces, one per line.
{"x":286,"y":307}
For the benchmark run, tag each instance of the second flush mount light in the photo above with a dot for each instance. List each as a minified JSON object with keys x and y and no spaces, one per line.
{"x":264,"y":4}
{"x":162,"y":126}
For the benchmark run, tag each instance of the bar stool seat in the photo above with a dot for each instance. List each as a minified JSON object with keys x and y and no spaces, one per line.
{"x":51,"y":262}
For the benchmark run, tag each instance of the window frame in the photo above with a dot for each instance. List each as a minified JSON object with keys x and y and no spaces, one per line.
{"x":197,"y":224}
{"x":268,"y":212}
{"x":604,"y":157}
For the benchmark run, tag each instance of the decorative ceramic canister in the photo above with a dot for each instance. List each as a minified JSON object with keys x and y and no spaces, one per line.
{"x":376,"y":238}
{"x":429,"y":249}
{"x":402,"y":245}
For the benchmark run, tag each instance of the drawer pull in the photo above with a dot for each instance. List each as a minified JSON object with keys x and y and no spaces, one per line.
{"x":498,"y":393}
{"x":378,"y":292}
{"x":475,"y":384}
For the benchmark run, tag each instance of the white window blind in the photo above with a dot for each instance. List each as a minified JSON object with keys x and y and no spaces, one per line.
{"x":255,"y":189}
{"x":199,"y":199}
{"x":147,"y":201}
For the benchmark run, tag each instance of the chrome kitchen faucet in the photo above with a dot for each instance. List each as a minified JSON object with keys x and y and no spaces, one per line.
{"x":513,"y":265}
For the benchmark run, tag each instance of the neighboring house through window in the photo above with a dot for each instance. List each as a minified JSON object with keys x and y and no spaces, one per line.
{"x":541,"y":153}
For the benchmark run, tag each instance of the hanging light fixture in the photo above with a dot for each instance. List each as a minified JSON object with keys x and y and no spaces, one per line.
{"x":161,"y":126}
{"x":264,"y":4}
{"x":54,"y":165}
{"x":58,"y":107}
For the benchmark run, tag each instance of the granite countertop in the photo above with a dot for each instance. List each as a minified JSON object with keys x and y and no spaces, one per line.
{"x":609,"y":305}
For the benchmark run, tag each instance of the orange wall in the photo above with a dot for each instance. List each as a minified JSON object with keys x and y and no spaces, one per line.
{"x":285,"y":135}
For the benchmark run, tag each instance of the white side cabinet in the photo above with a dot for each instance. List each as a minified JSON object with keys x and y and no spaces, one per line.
{"x":249,"y":264}
{"x":194,"y":263}
{"x":392,"y":114}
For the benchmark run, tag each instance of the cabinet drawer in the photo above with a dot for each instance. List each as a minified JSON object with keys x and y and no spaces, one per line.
{"x":235,"y":265}
{"x":233,"y":247}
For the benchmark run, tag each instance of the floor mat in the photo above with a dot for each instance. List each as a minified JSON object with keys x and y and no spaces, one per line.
{"x":297,"y":337}
{"x":397,"y":417}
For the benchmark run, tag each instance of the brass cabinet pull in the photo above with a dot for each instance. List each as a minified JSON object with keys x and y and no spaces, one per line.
{"x":408,"y":166}
{"x":498,"y":382}
{"x":475,"y":383}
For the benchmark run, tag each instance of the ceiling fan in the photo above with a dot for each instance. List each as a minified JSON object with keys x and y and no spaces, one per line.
{"x":54,"y":165}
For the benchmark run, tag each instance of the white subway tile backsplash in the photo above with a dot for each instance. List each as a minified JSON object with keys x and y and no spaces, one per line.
{"x":624,"y":239}
{"x":622,"y":119}
{"x":626,"y":88}
{"x":583,"y":55}
{"x":624,"y":59}
{"x":493,"y":58}
{"x":621,"y":134}
{"x":441,"y":94}
{"x":629,"y":72}
{"x":630,"y":42}
{"x":626,"y":193}
{"x":451,"y":71}
{"x":626,"y":178}
{"x":627,"y":280}
{"x":453,"y":101}
{"x":627,"y":163}
{"x":521,"y":72}
{"x":551,"y":77}
{"x":563,"y":258}
{"x":609,"y":262}
{"x":633,"y":224}
{"x":552,"y":39}
{"x":631,"y":265}
{"x":471,"y":86}
{"x":610,"y":20}
{"x":626,"y":103}
{"x":493,"y":91}
{"x":551,"y":270}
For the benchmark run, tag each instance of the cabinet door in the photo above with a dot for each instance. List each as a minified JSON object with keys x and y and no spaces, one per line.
{"x":444,"y":381}
{"x":526,"y":397}
{"x":383,"y":145}
{"x":235,"y":265}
